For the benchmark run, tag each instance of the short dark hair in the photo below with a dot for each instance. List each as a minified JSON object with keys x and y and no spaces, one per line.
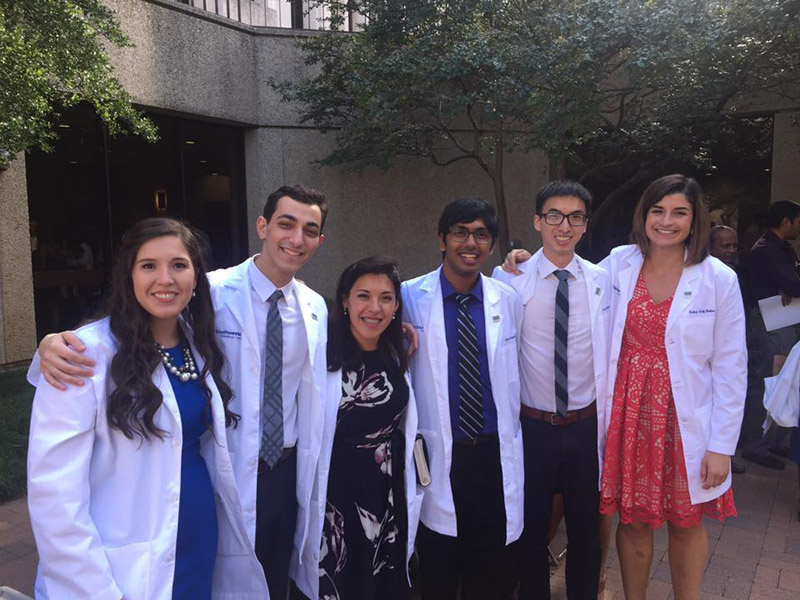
{"x":563,"y":187}
{"x":299,"y":193}
{"x":780,"y":210}
{"x":343,"y":351}
{"x":697,"y":242}
{"x":467,"y":210}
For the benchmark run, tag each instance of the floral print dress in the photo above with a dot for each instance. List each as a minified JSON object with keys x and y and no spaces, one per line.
{"x":363,"y":544}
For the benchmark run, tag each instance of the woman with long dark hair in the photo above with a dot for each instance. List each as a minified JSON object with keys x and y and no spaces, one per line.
{"x":368,"y":501}
{"x":130,"y":486}
{"x":677,"y":378}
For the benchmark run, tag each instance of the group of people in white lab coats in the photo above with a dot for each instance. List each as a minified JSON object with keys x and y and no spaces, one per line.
{"x":561,"y":380}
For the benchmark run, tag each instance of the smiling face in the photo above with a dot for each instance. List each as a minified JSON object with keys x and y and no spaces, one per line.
{"x":371,"y":304}
{"x":669,"y":221}
{"x":464,"y":259}
{"x":163,"y":280}
{"x":559,"y":241}
{"x":289,"y":239}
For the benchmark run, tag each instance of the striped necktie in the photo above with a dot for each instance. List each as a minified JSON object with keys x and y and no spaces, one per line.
{"x":272,"y":402}
{"x":470,"y":411}
{"x":562,"y":327}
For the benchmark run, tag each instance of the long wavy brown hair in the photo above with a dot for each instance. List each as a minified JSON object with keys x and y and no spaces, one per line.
{"x":135,"y":400}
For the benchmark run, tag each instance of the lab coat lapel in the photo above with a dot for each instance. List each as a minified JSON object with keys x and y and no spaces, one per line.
{"x":311,"y":321}
{"x":493,"y":318}
{"x":684,"y":294}
{"x":530,"y":274}
{"x":430,"y":304}
{"x":240,"y":304}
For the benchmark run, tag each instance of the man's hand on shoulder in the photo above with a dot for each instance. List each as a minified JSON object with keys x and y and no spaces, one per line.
{"x":513,"y":258}
{"x":62,"y":362}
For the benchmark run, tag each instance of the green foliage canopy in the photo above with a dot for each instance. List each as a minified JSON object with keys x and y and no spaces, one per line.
{"x":53,"y":55}
{"x":593,"y":83}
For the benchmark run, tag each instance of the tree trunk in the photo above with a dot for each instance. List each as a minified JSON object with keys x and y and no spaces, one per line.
{"x":500,"y":197}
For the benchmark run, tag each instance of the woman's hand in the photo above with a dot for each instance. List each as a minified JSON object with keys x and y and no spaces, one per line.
{"x":714,"y":469}
{"x":513,"y":258}
{"x":61,"y":361}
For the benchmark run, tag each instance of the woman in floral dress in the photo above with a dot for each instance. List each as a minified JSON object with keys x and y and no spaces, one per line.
{"x":367,"y":525}
{"x":678,"y":368}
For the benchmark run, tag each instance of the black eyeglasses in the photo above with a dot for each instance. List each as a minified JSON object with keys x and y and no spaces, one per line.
{"x":461,"y":235}
{"x":576,"y":219}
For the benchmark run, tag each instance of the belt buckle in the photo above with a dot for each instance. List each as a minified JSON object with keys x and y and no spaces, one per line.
{"x":553,"y":417}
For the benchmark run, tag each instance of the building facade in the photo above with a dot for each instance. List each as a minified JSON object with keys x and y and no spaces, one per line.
{"x":201,"y":69}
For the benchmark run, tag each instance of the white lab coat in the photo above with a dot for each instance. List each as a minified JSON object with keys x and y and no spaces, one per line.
{"x":706,"y":352}
{"x":236,"y":332}
{"x":104,"y":508}
{"x":305,"y":572}
{"x":782,"y":392}
{"x":423,"y":308}
{"x":598,"y":289}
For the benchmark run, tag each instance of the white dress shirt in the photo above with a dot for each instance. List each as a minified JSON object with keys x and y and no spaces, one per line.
{"x":295,"y":344}
{"x":537,"y":350}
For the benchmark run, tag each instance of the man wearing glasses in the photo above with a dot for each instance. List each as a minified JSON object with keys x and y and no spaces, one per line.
{"x":466,"y":379}
{"x":562,"y":366}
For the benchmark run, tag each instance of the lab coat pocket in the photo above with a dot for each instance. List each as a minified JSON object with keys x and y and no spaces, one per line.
{"x":130,"y":566}
{"x":697,"y":335}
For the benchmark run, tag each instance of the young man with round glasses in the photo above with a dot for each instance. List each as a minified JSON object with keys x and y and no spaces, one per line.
{"x":465,"y":376}
{"x":562,"y":370}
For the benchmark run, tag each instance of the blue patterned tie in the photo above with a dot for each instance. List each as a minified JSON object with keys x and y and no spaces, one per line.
{"x":272,"y":408}
{"x":470,"y":411}
{"x":562,"y":327}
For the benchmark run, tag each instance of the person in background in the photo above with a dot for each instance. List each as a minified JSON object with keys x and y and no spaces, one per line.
{"x":130,"y":487}
{"x":723,"y":243}
{"x":676,"y":385}
{"x":772,"y":269}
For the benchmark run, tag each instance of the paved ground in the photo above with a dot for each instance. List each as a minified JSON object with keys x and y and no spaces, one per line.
{"x":753,"y":557}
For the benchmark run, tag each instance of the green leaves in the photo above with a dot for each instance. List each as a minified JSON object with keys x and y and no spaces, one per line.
{"x":52,"y":55}
{"x":590,"y":82}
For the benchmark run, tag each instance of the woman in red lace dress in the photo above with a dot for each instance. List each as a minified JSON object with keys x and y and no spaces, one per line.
{"x":678,"y":368}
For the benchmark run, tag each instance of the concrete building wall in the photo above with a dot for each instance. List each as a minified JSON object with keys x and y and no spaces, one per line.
{"x":17,"y":324}
{"x":394,"y":213}
{"x":188,"y":61}
{"x":786,"y":157}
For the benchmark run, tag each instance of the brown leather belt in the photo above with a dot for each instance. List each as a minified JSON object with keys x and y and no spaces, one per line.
{"x":555,"y":419}
{"x":264,"y":468}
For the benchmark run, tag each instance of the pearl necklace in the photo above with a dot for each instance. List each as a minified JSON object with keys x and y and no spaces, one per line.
{"x":186,"y":372}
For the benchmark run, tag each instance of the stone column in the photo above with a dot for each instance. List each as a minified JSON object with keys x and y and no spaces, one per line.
{"x":17,"y":319}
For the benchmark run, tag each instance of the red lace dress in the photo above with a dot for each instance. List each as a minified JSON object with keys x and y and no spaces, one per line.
{"x":644,"y":472}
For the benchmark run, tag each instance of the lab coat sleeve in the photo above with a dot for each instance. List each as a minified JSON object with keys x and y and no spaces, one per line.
{"x":72,"y":560}
{"x":728,"y":368}
{"x":34,"y":370}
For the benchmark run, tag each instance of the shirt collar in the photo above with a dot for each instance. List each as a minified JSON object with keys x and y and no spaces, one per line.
{"x":261,"y":284}
{"x":546,"y":268}
{"x":448,"y":290}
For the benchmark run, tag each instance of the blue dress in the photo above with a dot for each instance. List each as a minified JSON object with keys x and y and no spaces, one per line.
{"x":197,"y":516}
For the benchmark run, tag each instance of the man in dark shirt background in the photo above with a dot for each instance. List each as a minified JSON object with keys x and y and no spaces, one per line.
{"x":723,"y":242}
{"x":772,"y":270}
